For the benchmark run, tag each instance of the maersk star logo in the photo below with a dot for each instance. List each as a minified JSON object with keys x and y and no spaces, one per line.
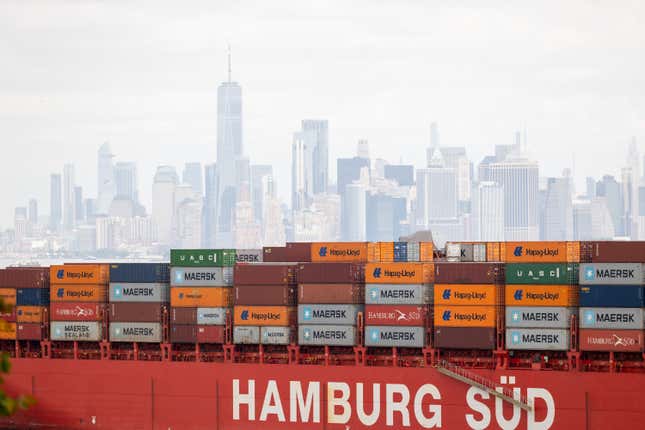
{"x":590,"y":273}
{"x":58,"y":332}
{"x":589,"y":317}
{"x":117,"y":291}
{"x":515,"y":316}
{"x":374,"y":293}
{"x":374,"y":335}
{"x":117,"y":331}
{"x":306,"y":334}
{"x":179,"y":276}
{"x":515,"y":338}
{"x":306,"y":313}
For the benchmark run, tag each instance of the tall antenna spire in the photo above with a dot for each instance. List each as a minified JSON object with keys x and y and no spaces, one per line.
{"x":229,"y":63}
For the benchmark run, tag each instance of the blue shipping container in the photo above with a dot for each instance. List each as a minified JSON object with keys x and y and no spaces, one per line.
{"x":141,"y":273}
{"x":616,"y":296}
{"x":32,"y":297}
{"x":400,"y":251}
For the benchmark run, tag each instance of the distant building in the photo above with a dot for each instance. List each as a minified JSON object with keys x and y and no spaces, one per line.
{"x":68,"y":197}
{"x":558,"y":213}
{"x":79,"y":212}
{"x":402,"y":174}
{"x":163,"y":202}
{"x":316,"y":134}
{"x":436,"y":193}
{"x":262,"y":187}
{"x":192,"y":176}
{"x":355,"y":206}
{"x":125,"y":178}
{"x":20,"y":224}
{"x":590,"y":186}
{"x":33,"y":211}
{"x":611,"y":190}
{"x":488,"y":211}
{"x":211,"y":186}
{"x":106,"y":188}
{"x":385,"y":215}
{"x":348,"y":170}
{"x":55,"y":202}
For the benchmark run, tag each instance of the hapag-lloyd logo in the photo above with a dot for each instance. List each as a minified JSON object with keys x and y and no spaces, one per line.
{"x":393,"y":405}
{"x":520,"y":251}
{"x":325,"y":251}
{"x":387,"y":273}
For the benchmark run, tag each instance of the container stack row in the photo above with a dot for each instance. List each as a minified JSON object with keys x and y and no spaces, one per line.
{"x":78,"y":297}
{"x":26,"y":291}
{"x":201,"y":282}
{"x":330,"y":297}
{"x":139,"y":294}
{"x":397,"y":298}
{"x":467,"y":299}
{"x":264,"y":303}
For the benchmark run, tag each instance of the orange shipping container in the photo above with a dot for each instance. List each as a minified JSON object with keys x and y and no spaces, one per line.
{"x":374,"y":252}
{"x":399,"y":273}
{"x":465,"y":316}
{"x":387,"y":252}
{"x":540,"y":252}
{"x":264,"y":315}
{"x":339,"y":251}
{"x":198,"y":297}
{"x":8,"y":296}
{"x":466,"y":294}
{"x":492,"y":252}
{"x":541,"y":295}
{"x":78,"y":293}
{"x":30,"y":314}
{"x":426,"y":251}
{"x":7,"y":330}
{"x":80,"y":274}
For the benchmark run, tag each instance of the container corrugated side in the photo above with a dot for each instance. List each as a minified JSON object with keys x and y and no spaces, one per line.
{"x":80,"y":274}
{"x":201,"y":276}
{"x":32,"y":297}
{"x":265,"y":274}
{"x":399,"y":273}
{"x":339,"y":251}
{"x":31,"y":314}
{"x":398,"y":294}
{"x":396,"y":315}
{"x":264,"y":315}
{"x":150,"y":293}
{"x":144,"y":332}
{"x":8,"y":296}
{"x":613,"y":251}
{"x":30,"y":331}
{"x":7,"y":330}
{"x":211,"y":316}
{"x":195,"y":297}
{"x":540,"y":252}
{"x":538,"y":339}
{"x":202,"y":257}
{"x":465,"y":316}
{"x":331,"y":293}
{"x":75,"y":311}
{"x":78,"y":293}
{"x":248,"y":255}
{"x":143,"y":273}
{"x":211,"y":334}
{"x":335,"y":314}
{"x":246,"y":335}
{"x":395,"y":336}
{"x":482,"y":338}
{"x":75,"y":330}
{"x":612,"y":274}
{"x":183,"y":333}
{"x":541,"y":295}
{"x":612,"y":318}
{"x":542,"y":273}
{"x":538,"y":317}
{"x":25,"y":277}
{"x":332,"y":335}
{"x":611,"y":340}
{"x":275,"y":335}
{"x":330,"y":273}
{"x":135,"y":312}
{"x":264,"y":295}
{"x":618,"y":296}
{"x":468,"y":273}
{"x":467,"y":294}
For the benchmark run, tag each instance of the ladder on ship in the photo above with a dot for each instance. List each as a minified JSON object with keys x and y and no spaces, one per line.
{"x":475,"y":380}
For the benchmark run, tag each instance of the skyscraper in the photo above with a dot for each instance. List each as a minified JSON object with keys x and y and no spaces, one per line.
{"x":316,"y":135}
{"x":356,"y":212}
{"x":488,"y":211}
{"x":437,"y":195}
{"x":55,"y":202}
{"x":125,"y":178}
{"x":210,"y":205}
{"x":611,"y":190}
{"x":401,"y":173}
{"x":33,"y":211}
{"x":558,"y":212}
{"x":302,"y":187}
{"x":262,"y":187}
{"x":229,"y":149}
{"x":105,"y":186}
{"x":631,"y":177}
{"x":192,"y":176}
{"x":348,"y":170}
{"x":163,"y":202}
{"x":68,"y":197}
{"x":79,"y":213}
{"x":519,"y":178}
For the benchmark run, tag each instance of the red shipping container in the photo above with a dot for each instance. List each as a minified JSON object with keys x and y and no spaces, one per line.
{"x":329,"y":273}
{"x":264,"y":274}
{"x":611,"y":340}
{"x":66,"y":311}
{"x":331,"y":293}
{"x":468,"y":273}
{"x":135,"y":312}
{"x":612,"y":252}
{"x":210,"y":333}
{"x":265,"y":295}
{"x":183,"y":315}
{"x":30,"y":331}
{"x":274,"y":254}
{"x":396,"y":315}
{"x":298,"y":252}
{"x":25,"y":277}
{"x":183,"y":334}
{"x":9,"y":316}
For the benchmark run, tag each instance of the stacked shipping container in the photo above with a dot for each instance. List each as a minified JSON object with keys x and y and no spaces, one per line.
{"x":26,"y":291}
{"x":330,"y":297}
{"x":139,"y":294}
{"x":611,"y":306}
{"x":264,"y":298}
{"x":397,"y":298}
{"x":200,"y":294}
{"x":541,"y":289}
{"x":467,"y":299}
{"x":78,"y":294}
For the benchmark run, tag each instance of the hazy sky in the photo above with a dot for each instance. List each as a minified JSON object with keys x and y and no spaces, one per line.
{"x":144,"y":75}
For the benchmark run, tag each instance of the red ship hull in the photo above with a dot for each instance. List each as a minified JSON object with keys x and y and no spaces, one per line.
{"x":171,"y":395}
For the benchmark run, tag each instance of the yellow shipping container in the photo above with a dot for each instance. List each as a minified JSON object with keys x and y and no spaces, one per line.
{"x":7,"y":330}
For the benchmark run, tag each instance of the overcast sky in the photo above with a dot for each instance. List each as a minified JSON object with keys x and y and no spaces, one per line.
{"x":144,"y":76}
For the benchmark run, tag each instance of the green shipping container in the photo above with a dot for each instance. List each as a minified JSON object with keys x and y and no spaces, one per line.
{"x":542,"y":273}
{"x":202,"y":257}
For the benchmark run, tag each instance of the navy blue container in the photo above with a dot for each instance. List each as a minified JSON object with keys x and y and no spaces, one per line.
{"x":32,"y":297}
{"x":400,"y":251}
{"x":615,"y":296}
{"x":140,"y":272}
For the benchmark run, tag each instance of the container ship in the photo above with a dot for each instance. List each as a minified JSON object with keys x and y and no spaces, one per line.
{"x":510,"y":335}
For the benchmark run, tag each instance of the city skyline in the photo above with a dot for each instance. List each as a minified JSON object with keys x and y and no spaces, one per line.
{"x":387,"y":85}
